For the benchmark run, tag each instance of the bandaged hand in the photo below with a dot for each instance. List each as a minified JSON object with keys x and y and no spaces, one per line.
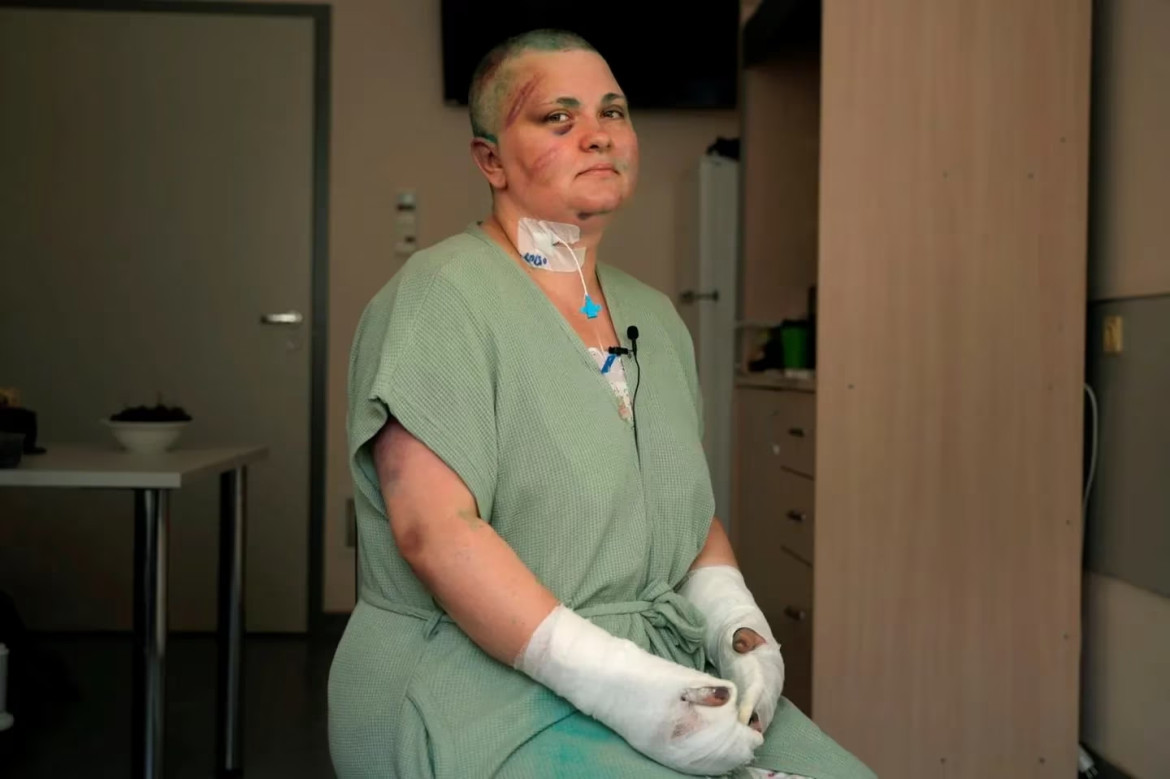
{"x":682,"y":718}
{"x":735,"y":627}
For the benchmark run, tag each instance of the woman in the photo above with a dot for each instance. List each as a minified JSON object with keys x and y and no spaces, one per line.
{"x":544,"y":590}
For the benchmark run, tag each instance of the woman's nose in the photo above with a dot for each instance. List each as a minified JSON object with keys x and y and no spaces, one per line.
{"x":596,"y":138}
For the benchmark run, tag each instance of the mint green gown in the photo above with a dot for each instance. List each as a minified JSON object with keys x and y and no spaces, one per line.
{"x":471,"y":357}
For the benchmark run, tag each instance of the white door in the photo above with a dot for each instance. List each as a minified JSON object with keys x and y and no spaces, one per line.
{"x":708,"y":278}
{"x":156,"y":198}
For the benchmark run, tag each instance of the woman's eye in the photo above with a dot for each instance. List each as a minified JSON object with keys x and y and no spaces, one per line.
{"x":557,"y":117}
{"x":613,"y":113}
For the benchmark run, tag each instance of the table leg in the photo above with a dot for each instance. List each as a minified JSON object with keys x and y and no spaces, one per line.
{"x":229,"y":723}
{"x":151,"y":520}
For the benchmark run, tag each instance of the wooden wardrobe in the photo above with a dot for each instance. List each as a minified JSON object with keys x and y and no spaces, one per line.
{"x":910,"y":518}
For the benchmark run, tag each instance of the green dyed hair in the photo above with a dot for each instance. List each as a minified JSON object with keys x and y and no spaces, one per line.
{"x":491,"y":83}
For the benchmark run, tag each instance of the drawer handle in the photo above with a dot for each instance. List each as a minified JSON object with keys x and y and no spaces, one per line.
{"x":795,"y":614}
{"x":796,"y":432}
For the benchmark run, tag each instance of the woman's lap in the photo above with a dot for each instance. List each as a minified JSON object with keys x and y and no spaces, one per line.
{"x":373,"y":734}
{"x":579,"y":747}
{"x":795,"y":745}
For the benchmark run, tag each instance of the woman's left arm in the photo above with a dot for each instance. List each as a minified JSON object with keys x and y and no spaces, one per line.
{"x":717,"y":550}
{"x":739,"y":640}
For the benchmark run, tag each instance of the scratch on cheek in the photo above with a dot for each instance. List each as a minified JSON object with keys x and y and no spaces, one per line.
{"x":542,"y":162}
{"x":522,"y":95}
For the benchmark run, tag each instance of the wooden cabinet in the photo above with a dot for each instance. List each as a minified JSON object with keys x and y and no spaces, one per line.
{"x":910,"y":520}
{"x":775,"y":548}
{"x":797,"y":515}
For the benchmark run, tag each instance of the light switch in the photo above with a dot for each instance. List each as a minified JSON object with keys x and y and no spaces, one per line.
{"x":1112,"y":340}
{"x":406,"y":223}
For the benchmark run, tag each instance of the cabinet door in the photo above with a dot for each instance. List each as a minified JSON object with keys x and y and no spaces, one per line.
{"x":756,"y":536}
{"x":794,"y":429}
{"x":950,"y":362}
{"x":796,"y":516}
{"x":778,"y":426}
{"x":792,"y":624}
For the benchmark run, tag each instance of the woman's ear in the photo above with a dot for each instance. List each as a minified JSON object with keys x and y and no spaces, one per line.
{"x":487,"y":157}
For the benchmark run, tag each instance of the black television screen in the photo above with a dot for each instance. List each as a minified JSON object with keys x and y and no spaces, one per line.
{"x":664,"y":55}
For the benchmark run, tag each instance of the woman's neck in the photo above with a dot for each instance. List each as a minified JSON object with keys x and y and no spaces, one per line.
{"x":506,"y":225}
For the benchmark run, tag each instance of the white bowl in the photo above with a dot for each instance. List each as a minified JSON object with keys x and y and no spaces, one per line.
{"x":146,"y":437}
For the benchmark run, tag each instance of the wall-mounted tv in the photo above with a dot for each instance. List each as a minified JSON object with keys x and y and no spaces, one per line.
{"x":664,"y":55}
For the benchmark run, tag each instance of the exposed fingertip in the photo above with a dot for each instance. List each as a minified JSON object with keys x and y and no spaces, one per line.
{"x":707,"y":696}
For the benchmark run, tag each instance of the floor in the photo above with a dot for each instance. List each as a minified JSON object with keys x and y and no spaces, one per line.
{"x":79,"y":725}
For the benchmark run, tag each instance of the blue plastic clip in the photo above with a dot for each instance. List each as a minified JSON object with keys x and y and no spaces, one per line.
{"x":590,"y":309}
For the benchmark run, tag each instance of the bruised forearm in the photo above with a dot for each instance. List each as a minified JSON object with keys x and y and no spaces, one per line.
{"x":480,"y":582}
{"x":458,"y":557}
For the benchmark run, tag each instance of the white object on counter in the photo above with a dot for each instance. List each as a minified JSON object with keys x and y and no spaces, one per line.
{"x":146,"y":437}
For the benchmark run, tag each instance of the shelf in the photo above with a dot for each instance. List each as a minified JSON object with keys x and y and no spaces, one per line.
{"x":775,"y":380}
{"x":755,"y":324}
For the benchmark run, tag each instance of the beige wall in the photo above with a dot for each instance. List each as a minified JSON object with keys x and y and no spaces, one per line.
{"x":1131,"y":158}
{"x":1126,"y":669}
{"x":1126,"y":676}
{"x":391,"y":131}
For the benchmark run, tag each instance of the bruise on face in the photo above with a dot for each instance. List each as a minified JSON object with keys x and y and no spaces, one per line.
{"x":549,"y":155}
{"x":519,"y":98}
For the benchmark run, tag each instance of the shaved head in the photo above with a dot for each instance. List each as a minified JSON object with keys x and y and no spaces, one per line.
{"x":491,"y":83}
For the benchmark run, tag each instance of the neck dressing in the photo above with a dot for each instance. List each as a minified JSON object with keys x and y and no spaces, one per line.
{"x":548,"y":246}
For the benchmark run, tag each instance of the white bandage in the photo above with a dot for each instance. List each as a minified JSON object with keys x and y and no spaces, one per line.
{"x":645,"y":699}
{"x":719,"y":592}
{"x":549,"y":245}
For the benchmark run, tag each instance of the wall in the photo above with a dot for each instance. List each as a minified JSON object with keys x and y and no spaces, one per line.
{"x":1131,"y":160}
{"x":391,"y":132}
{"x":1127,"y":532}
{"x":1126,"y":676}
{"x":1126,"y":673}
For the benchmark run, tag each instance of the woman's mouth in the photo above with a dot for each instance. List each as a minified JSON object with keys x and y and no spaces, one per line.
{"x":602,"y":169}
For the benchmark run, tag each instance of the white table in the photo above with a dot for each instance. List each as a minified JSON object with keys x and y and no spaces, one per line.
{"x":152,"y":478}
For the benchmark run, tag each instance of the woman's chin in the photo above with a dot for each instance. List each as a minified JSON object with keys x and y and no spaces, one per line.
{"x":599,"y":205}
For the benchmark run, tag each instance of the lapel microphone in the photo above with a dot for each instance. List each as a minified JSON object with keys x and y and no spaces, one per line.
{"x":632,"y":334}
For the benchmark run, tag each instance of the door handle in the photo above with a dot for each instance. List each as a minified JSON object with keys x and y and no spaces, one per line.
{"x":795,"y":614}
{"x":796,"y":516}
{"x":690,"y":296}
{"x":283,"y":318}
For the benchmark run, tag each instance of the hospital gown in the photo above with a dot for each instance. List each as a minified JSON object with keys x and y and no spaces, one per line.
{"x":468,"y":354}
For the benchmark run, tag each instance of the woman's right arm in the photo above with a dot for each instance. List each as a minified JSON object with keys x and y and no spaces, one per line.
{"x":472,"y":572}
{"x":678,"y":716}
